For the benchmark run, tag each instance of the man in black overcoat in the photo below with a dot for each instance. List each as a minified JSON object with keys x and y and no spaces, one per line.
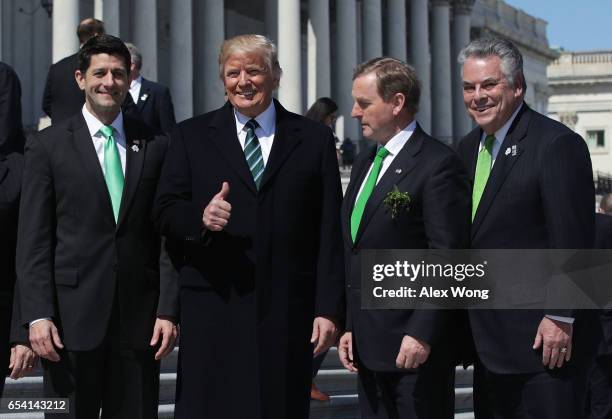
{"x":252,"y":191}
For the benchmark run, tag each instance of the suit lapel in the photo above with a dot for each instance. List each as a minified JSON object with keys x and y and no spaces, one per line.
{"x":360,"y":168}
{"x":507,"y":156}
{"x":91,"y":164}
{"x":286,"y":138}
{"x":405,"y":161}
{"x":223,"y":136}
{"x":136,"y":148}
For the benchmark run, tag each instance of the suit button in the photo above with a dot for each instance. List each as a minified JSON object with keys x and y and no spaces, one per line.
{"x":355,"y":251}
{"x":348,"y":285}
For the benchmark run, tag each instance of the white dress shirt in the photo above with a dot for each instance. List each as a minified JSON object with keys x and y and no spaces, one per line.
{"x":265,"y":132}
{"x":394,"y":146}
{"x":94,"y":125}
{"x":135,"y":86}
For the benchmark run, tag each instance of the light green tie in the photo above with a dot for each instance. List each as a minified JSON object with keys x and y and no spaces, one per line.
{"x":483,"y":170}
{"x":362,"y":200}
{"x":113,"y":173}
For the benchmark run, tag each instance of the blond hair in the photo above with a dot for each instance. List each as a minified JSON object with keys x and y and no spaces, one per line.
{"x":251,"y":44}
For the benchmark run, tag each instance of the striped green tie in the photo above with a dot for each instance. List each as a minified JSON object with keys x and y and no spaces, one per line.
{"x":252,"y":152}
{"x":483,"y":169}
{"x":368,"y":187}
{"x":113,"y":173}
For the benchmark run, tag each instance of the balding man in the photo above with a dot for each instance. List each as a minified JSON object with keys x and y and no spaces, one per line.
{"x":62,"y":97}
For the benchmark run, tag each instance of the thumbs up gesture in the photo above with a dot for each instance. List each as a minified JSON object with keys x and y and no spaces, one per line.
{"x":217,"y":213}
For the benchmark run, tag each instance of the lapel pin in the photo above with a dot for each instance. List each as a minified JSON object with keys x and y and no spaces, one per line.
{"x":507,"y":151}
{"x":135,"y":148}
{"x":514,"y":150}
{"x":144,"y":97}
{"x":398,"y":171}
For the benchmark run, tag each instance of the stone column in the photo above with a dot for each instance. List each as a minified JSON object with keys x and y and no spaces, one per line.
{"x":65,"y":22}
{"x":419,"y":48}
{"x":111,"y":13}
{"x":181,"y":53}
{"x":442,"y":109}
{"x":289,"y":55}
{"x":99,"y":9}
{"x":372,"y":29}
{"x":461,"y":37}
{"x":319,"y":68}
{"x":346,"y":61}
{"x":144,"y":35}
{"x":208,"y":37}
{"x":396,"y":29}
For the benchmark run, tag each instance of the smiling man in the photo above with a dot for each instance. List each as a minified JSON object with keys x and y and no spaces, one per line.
{"x":253,"y":193}
{"x":97,"y":293}
{"x":532,"y":189}
{"x":404,"y":358}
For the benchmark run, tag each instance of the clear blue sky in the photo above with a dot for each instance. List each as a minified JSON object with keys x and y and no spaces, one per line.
{"x":575,"y":25}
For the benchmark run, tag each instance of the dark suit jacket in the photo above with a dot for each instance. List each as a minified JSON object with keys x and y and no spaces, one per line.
{"x":73,"y":261}
{"x":603,"y":240}
{"x":154,"y":106}
{"x":540,"y":196}
{"x":62,"y":97}
{"x":438,"y":218}
{"x":263,"y":279}
{"x":11,"y":167}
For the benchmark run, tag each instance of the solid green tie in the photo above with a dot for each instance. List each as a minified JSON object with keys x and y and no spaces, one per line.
{"x":252,"y":152}
{"x":362,"y":200}
{"x":483,"y":169}
{"x":113,"y":173}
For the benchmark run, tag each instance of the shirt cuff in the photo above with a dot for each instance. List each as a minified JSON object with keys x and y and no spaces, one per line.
{"x":569,"y":320}
{"x":39,"y":320}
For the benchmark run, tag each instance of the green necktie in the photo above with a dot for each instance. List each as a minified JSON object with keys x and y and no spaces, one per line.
{"x":252,"y":152}
{"x":113,"y":173}
{"x":368,"y":187}
{"x":483,"y":169}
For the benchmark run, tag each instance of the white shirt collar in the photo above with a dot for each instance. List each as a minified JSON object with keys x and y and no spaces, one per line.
{"x":266,"y":119}
{"x":136,"y":82}
{"x":500,"y":134}
{"x":397,"y":142}
{"x":94,"y":124}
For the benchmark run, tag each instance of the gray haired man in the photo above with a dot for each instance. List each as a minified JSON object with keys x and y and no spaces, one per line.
{"x":532,"y":189}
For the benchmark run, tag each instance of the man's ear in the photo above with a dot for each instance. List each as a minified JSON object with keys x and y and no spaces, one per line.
{"x":398,"y":101}
{"x":80,"y":79}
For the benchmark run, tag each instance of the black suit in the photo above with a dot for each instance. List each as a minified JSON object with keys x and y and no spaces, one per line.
{"x":62,"y":97}
{"x":154,"y":106}
{"x":434,"y":178}
{"x":100,"y":281}
{"x":11,"y":166}
{"x":249,"y":293}
{"x":539,"y":195}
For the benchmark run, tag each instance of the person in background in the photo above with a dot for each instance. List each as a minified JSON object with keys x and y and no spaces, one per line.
{"x":323,"y":111}
{"x":600,"y":380}
{"x":62,"y":97}
{"x":22,"y":358}
{"x":149,"y":101}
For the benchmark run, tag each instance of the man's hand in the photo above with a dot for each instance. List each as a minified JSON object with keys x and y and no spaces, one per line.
{"x":23,"y":360}
{"x":345,"y":351}
{"x":217,"y":212}
{"x":324,"y":334}
{"x":44,"y":338}
{"x":413,"y":352}
{"x":556,"y":337}
{"x":166,"y":329}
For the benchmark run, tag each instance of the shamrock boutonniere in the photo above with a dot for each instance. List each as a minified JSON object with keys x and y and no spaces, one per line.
{"x":396,"y":201}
